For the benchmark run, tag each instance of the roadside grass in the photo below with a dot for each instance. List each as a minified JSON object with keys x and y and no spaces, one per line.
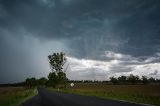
{"x":147,"y":94}
{"x":14,"y":96}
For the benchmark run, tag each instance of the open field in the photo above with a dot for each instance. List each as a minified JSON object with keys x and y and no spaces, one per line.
{"x":13,"y":96}
{"x":148,"y":94}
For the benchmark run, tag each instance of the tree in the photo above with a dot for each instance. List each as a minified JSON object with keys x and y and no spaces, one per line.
{"x":144,"y":80}
{"x":53,"y":79}
{"x":133,"y":79}
{"x":57,"y":60}
{"x":31,"y":82}
{"x":42,"y":81}
{"x":62,"y":79}
{"x":122,"y":79}
{"x":114,"y":80}
{"x":28,"y":83}
{"x":57,"y":76}
{"x":152,"y":80}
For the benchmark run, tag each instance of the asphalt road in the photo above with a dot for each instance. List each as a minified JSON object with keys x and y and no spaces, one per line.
{"x":48,"y":98}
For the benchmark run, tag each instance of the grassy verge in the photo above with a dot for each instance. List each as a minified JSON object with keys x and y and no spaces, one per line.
{"x":14,"y":96}
{"x":148,"y":94}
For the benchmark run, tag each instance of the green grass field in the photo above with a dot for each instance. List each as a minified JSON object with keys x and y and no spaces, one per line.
{"x":148,"y":94}
{"x":13,"y":96}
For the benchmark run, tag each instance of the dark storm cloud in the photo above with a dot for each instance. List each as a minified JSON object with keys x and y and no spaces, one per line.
{"x":129,"y":28}
{"x":22,"y":57}
{"x":13,"y":60}
{"x":88,"y":28}
{"x":121,"y":26}
{"x":75,"y":17}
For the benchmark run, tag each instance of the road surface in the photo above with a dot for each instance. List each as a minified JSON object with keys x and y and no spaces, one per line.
{"x":48,"y":98}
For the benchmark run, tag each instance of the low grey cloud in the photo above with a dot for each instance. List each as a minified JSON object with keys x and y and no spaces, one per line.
{"x":120,"y":64}
{"x":154,"y":73}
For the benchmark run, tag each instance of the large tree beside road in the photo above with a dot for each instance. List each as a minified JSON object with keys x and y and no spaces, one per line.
{"x":57,"y":77}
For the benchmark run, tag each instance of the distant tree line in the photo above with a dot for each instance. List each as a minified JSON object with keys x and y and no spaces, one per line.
{"x":13,"y":84}
{"x":133,"y":79}
{"x":55,"y":82}
{"x":33,"y":82}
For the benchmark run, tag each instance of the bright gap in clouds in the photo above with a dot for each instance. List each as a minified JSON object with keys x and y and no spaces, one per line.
{"x":118,"y":64}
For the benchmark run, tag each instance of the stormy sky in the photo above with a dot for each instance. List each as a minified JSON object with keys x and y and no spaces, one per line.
{"x":101,"y":38}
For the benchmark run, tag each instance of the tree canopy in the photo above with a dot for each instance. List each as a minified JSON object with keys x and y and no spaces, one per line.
{"x":57,"y":60}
